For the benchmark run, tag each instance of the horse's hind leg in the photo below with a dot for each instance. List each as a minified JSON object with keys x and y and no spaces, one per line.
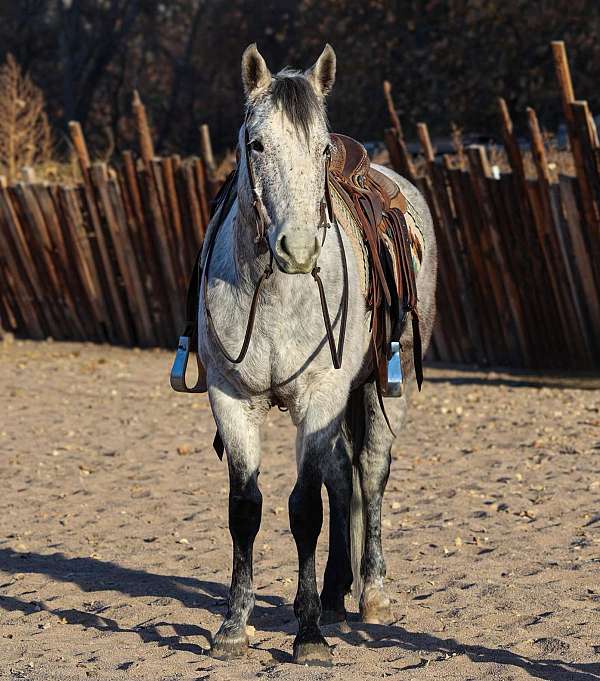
{"x":240,"y":435}
{"x":338,"y":571}
{"x":374,"y":463}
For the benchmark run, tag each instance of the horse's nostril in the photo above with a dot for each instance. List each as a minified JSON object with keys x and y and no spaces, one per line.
{"x":297,"y":252}
{"x":283,"y":246}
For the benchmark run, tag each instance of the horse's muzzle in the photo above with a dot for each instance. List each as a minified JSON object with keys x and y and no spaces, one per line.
{"x":294,"y":255}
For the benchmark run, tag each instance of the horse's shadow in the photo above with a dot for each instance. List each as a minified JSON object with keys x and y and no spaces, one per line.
{"x":271,"y":614}
{"x":383,"y":636}
{"x":147,"y":632}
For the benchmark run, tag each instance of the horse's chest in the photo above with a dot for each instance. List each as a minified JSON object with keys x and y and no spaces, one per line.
{"x":287,"y":348}
{"x":285,"y":351}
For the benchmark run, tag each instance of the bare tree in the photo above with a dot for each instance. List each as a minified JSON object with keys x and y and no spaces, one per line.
{"x":25,"y":136}
{"x":90,"y":36}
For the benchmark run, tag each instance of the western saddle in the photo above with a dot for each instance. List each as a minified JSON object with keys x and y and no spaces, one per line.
{"x":378,"y":207}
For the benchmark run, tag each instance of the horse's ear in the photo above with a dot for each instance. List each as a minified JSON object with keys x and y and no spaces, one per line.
{"x":322,"y":73}
{"x":255,"y":74}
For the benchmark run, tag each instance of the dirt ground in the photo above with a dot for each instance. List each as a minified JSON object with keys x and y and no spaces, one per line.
{"x":115,"y":554}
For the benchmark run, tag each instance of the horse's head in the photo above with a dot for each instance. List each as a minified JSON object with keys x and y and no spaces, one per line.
{"x":287,"y":144}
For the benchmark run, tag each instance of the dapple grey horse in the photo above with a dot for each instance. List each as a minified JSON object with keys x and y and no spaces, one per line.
{"x":342,"y":440}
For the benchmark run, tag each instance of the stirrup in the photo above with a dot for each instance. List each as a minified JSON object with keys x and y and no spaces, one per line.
{"x":179,"y":368}
{"x":395,"y":385}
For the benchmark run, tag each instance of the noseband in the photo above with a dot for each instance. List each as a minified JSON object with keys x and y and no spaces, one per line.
{"x":261,"y":220}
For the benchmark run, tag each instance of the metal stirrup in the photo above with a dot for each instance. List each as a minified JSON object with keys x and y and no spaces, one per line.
{"x":179,"y":368}
{"x":394,"y":387}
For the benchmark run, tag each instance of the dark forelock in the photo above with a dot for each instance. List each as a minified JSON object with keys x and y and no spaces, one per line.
{"x":295,"y":96}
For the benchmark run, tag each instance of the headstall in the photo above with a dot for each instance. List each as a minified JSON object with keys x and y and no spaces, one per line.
{"x":261,"y":221}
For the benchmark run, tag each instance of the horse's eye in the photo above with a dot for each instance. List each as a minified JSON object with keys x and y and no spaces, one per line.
{"x":327,"y":150}
{"x":256,"y":145}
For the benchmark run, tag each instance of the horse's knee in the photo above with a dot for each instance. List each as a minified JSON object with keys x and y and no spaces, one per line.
{"x":306,"y":512}
{"x":245,"y":509}
{"x":374,"y":471}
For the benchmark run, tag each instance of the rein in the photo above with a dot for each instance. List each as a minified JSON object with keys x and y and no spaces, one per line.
{"x":260,"y":217}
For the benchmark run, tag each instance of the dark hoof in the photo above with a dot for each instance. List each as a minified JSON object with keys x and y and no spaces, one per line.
{"x":376,"y":607}
{"x":228,"y":647}
{"x":313,"y":652}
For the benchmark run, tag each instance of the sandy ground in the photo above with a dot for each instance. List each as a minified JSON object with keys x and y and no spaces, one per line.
{"x":115,"y":554}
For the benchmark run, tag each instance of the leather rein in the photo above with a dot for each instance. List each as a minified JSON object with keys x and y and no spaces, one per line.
{"x":261,"y":219}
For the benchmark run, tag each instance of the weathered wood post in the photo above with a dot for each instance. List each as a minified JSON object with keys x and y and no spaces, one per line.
{"x":143,"y":128}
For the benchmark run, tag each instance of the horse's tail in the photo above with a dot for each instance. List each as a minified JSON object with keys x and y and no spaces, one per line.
{"x":355,"y":423}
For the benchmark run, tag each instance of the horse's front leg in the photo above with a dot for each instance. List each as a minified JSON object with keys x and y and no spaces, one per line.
{"x":337,"y":580}
{"x":239,"y":431}
{"x":316,"y":440}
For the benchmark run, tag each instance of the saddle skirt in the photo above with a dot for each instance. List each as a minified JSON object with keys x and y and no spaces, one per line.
{"x":386,"y":234}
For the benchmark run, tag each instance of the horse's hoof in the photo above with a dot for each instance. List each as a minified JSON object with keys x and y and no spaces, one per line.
{"x":229,"y":647}
{"x":376,"y":608}
{"x":377,"y":615}
{"x":317,"y":652}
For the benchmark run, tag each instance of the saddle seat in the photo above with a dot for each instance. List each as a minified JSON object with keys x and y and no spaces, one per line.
{"x":373,"y":212}
{"x":349,"y":159}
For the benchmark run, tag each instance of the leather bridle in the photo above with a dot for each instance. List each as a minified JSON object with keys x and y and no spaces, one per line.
{"x":261,"y":221}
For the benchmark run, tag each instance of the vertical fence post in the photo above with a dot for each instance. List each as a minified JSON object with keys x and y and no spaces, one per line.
{"x":79,"y":144}
{"x":446,"y":331}
{"x":391,"y":107}
{"x":211,"y":186}
{"x":486,"y":191}
{"x":143,"y":129}
{"x":425,"y":140}
{"x":579,"y":139}
{"x":116,"y":320}
{"x":548,"y":239}
{"x":206,"y":150}
{"x":525,"y":241}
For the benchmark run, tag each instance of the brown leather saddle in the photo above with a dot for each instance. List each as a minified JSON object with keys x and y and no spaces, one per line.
{"x":379,"y":207}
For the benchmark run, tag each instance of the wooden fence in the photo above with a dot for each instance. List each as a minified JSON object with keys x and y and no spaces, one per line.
{"x":519,"y":258}
{"x":108,"y":258}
